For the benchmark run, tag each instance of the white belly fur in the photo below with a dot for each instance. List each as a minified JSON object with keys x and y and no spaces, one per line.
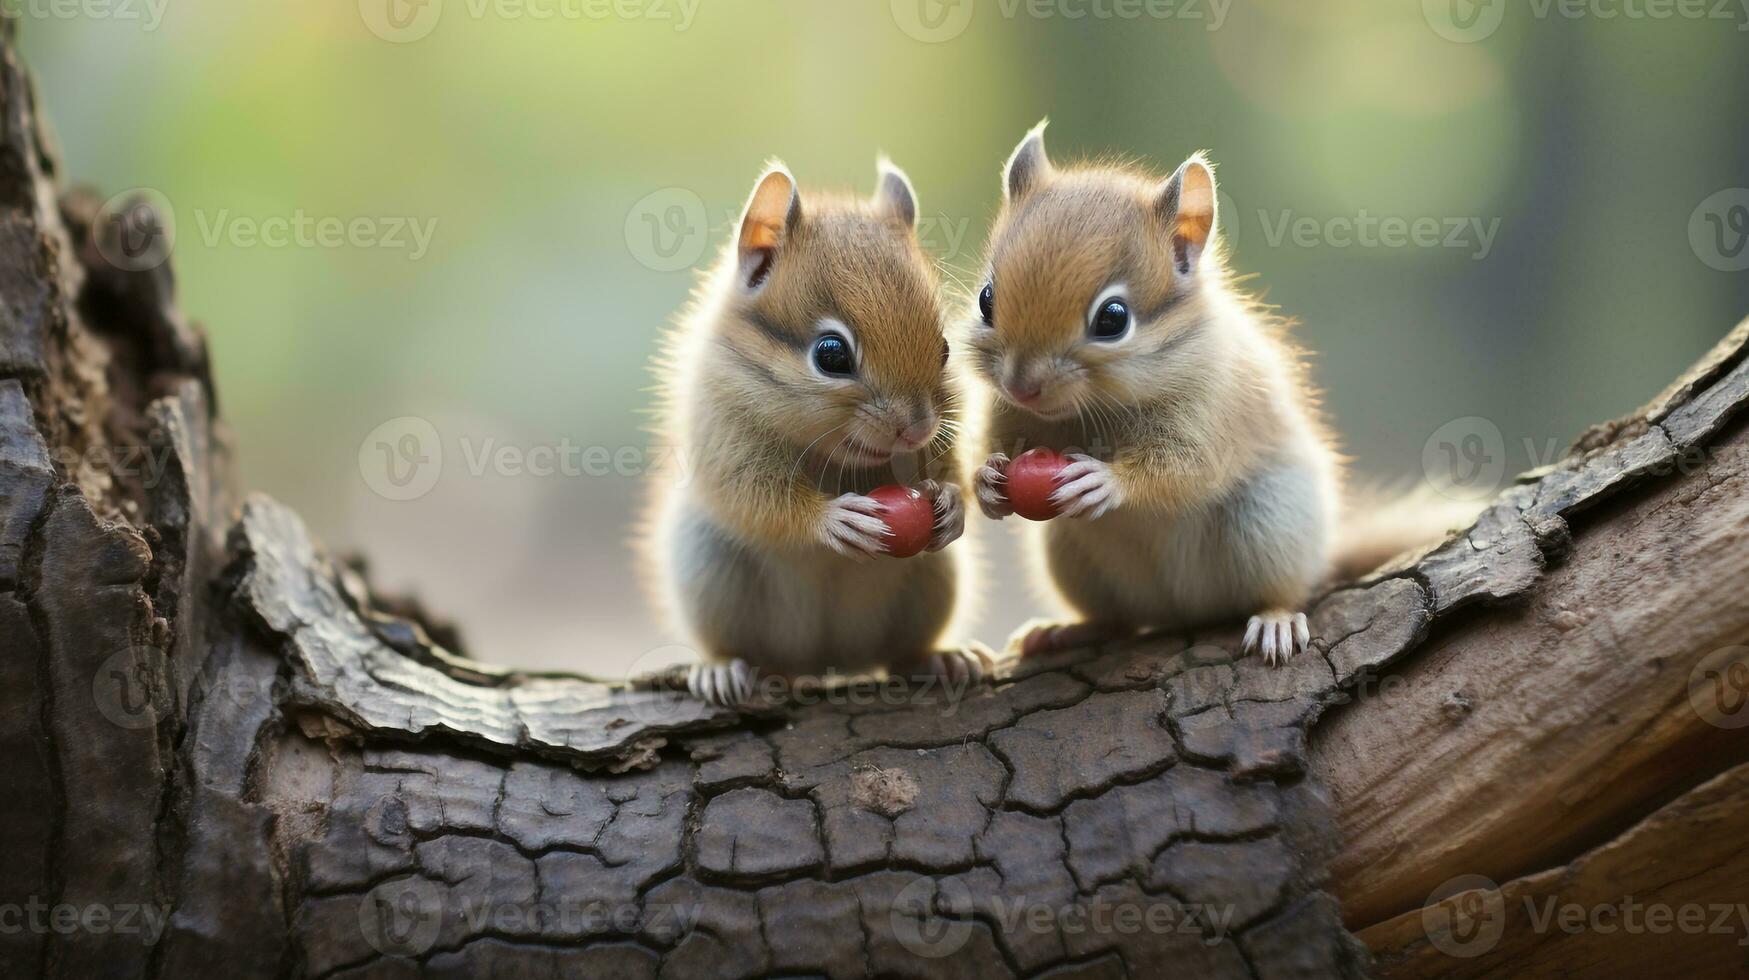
{"x":1267,"y":543}
{"x":804,"y":611}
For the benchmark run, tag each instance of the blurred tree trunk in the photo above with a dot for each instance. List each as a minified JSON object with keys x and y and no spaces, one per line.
{"x":224,"y":753}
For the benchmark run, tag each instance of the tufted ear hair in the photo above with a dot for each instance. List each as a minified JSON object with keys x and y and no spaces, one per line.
{"x":1187,"y":208}
{"x":769,"y":220}
{"x":893,"y":194}
{"x":1027,"y":165}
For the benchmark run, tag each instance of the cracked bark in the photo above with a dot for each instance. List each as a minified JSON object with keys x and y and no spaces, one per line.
{"x":208,"y":716}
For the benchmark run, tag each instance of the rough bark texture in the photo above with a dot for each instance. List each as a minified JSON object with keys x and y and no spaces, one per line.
{"x":218,"y":734}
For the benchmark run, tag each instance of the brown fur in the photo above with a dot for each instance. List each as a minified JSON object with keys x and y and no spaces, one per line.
{"x":1201,"y":410}
{"x":1226,"y":477}
{"x":745,"y":404}
{"x":1195,"y":421}
{"x":770,"y":442}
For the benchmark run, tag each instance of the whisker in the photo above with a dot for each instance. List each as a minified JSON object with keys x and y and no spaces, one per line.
{"x":947,"y":447}
{"x":804,"y":453}
{"x":820,"y":484}
{"x":1115,"y":412}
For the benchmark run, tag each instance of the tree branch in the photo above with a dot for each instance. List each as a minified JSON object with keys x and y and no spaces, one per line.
{"x":215,"y":726}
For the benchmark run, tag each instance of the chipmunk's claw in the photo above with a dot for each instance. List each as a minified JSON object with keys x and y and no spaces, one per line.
{"x":1087,"y":488}
{"x":853,"y":527}
{"x":958,"y":669}
{"x":1278,"y":635}
{"x":988,"y":486}
{"x":728,"y":685}
{"x":1041,"y":637}
{"x":950,"y":513}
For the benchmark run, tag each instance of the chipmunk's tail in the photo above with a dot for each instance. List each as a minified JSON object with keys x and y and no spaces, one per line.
{"x":1379,"y":524}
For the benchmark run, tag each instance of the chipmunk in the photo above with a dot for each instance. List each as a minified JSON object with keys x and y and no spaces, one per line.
{"x":811,"y":368}
{"x":1206,"y":485}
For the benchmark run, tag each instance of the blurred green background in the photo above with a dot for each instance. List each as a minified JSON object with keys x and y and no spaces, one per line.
{"x":574,"y":169}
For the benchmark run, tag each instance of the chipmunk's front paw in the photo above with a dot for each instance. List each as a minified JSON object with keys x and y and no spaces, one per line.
{"x":950,"y":513}
{"x":1278,"y":634}
{"x":731,"y":685}
{"x":1087,"y":488}
{"x":853,"y":527}
{"x":988,"y":486}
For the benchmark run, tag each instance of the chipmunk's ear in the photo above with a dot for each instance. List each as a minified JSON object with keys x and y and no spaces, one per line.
{"x":771,"y":216}
{"x":893,"y":196}
{"x":1187,"y":208}
{"x":1027,"y":165}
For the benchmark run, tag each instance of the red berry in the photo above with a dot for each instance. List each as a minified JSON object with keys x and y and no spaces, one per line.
{"x":1032,"y":478}
{"x":909,"y":515}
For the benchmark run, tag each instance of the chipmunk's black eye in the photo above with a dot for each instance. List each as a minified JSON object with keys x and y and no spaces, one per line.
{"x":945,"y":351}
{"x":1111,"y":320}
{"x":987,"y":297}
{"x":832,"y":355}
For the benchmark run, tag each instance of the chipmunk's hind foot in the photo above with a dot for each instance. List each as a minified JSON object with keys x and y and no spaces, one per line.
{"x":960,"y":668}
{"x":1278,"y":634}
{"x":1039,"y":637}
{"x":730,"y":685}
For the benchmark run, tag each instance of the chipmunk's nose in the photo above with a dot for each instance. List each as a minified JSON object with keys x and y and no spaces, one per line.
{"x":917,"y":434}
{"x":1022,"y":383}
{"x":1024,"y":392}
